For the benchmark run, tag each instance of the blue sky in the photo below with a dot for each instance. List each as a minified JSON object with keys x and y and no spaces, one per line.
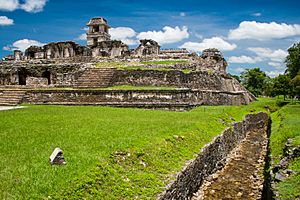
{"x":250,"y":34}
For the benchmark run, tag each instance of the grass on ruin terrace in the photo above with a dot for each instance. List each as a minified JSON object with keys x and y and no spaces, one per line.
{"x":111,"y":153}
{"x":134,"y":63}
{"x":116,"y":87}
{"x":141,"y":65}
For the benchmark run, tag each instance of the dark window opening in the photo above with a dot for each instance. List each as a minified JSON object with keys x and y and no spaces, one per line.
{"x":47,"y":75}
{"x":95,"y":41}
{"x":96,"y":28}
{"x":22,"y":77}
{"x":30,"y":55}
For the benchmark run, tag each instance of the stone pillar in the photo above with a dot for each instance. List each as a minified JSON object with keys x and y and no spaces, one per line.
{"x":18,"y":55}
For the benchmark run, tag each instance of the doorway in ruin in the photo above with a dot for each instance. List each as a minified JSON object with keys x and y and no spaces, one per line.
{"x":95,"y":40}
{"x":47,"y":74}
{"x":22,"y":74}
{"x":96,"y":29}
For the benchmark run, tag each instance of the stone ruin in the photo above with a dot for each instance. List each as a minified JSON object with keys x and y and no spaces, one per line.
{"x":57,"y":157}
{"x":53,"y":50}
{"x":99,"y":44}
{"x":67,"y":64}
{"x":147,"y":47}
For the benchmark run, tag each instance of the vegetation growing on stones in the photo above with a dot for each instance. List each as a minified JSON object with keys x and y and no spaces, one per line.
{"x":286,"y":126}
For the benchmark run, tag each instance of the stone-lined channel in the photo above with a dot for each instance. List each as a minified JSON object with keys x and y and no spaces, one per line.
{"x":232,"y":166}
{"x":242,"y":177}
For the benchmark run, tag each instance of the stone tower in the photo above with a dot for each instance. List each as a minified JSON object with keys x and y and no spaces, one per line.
{"x":98,"y":31}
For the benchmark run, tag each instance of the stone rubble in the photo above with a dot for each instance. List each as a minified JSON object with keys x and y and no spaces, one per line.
{"x":280,"y":172}
{"x":57,"y":157}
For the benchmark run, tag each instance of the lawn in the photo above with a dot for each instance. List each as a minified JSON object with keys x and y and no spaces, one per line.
{"x":111,"y":153}
{"x":286,"y":124}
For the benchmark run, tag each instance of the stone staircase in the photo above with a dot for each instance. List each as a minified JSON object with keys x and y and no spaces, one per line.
{"x":95,"y":78}
{"x":11,"y":97}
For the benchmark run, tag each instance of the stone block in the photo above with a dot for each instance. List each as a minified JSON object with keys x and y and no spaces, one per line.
{"x":57,"y":157}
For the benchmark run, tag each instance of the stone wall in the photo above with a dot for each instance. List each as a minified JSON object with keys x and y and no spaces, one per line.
{"x":147,"y":47}
{"x":202,"y":80}
{"x":58,"y":74}
{"x":111,"y":48}
{"x":36,"y":81}
{"x":55,"y":50}
{"x":213,"y":154}
{"x":136,"y":98}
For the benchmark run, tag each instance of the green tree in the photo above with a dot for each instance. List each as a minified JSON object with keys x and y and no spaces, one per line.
{"x":296,"y":85}
{"x":268,"y":87}
{"x":282,"y":85}
{"x":253,"y":80}
{"x":293,"y":60}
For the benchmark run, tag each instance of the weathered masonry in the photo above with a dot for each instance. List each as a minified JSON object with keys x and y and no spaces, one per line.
{"x":68,"y":73}
{"x":234,"y":157}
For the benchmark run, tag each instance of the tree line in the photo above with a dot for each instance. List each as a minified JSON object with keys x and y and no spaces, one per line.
{"x":287,"y":84}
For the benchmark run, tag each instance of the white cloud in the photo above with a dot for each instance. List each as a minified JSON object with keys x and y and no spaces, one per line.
{"x":278,"y":55}
{"x":239,"y":70}
{"x":81,"y":37}
{"x":277,"y":65}
{"x":263,"y":31}
{"x":32,"y":6}
{"x":9,"y":5}
{"x":256,"y":14}
{"x":167,"y":36}
{"x":125,"y":34}
{"x":214,"y":42}
{"x":244,"y":59}
{"x":182,"y":14}
{"x":199,"y":36}
{"x":274,"y":73}
{"x":22,"y":45}
{"x":6,"y":48}
{"x":5,"y":21}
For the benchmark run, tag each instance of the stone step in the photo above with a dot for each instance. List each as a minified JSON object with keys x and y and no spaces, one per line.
{"x":93,"y":81}
{"x":95,"y":77}
{"x":7,"y":104}
{"x":11,"y":97}
{"x":94,"y":86}
{"x":87,"y":77}
{"x":107,"y":72}
{"x":9,"y":100}
{"x":11,"y":94}
{"x":98,"y":76}
{"x":98,"y":72}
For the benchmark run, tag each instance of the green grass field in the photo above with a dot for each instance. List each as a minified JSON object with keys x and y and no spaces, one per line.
{"x":286,"y":124}
{"x":111,"y":153}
